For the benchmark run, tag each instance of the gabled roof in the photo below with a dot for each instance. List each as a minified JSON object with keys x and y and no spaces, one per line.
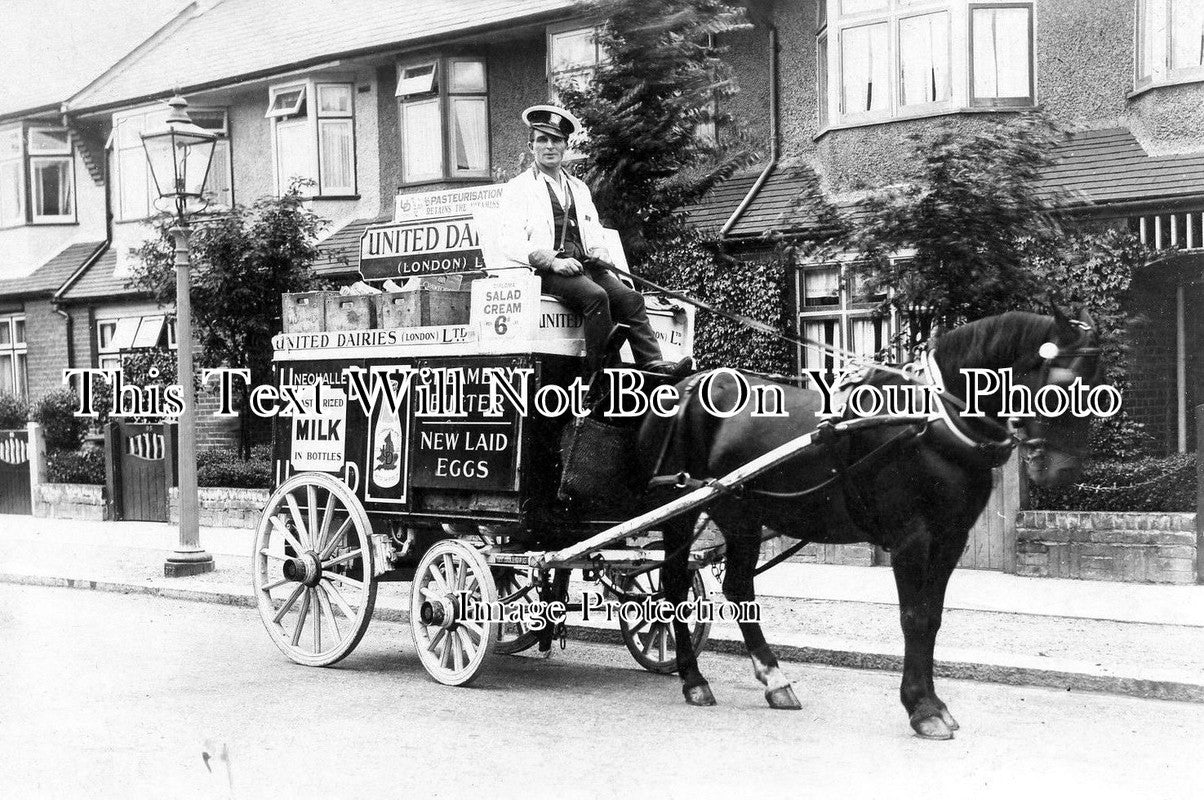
{"x":237,"y":40}
{"x":46,"y":279}
{"x":99,"y":281}
{"x":49,"y":51}
{"x":1110,"y":166}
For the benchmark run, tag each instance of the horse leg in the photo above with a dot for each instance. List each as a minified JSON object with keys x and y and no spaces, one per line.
{"x":922,"y":565}
{"x":743,"y":537}
{"x":675,"y":578}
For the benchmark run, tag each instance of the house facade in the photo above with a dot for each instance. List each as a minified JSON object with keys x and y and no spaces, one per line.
{"x":392,"y":98}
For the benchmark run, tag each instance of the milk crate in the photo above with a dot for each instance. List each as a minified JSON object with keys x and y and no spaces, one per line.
{"x":350,"y":312}
{"x":303,"y":312}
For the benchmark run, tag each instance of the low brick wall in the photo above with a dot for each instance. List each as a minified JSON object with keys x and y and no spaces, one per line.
{"x":1107,"y":545}
{"x":225,"y":508}
{"x":70,"y":501}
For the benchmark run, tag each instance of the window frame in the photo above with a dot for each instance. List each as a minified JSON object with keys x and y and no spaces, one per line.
{"x":17,"y":134}
{"x":112,"y":352}
{"x":17,"y":352}
{"x":560,"y":30}
{"x":444,"y":96}
{"x":23,"y":163}
{"x":156,"y":114}
{"x":1162,"y":71}
{"x":848,"y":309}
{"x":307,"y":115}
{"x":1002,"y":102}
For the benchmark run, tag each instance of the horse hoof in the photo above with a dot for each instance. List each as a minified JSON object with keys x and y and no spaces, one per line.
{"x":932,"y":728}
{"x":699,"y":695}
{"x":783,"y":698}
{"x":948,"y":719}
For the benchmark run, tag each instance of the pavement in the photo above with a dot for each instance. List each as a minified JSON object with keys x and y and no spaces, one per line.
{"x":1141,"y":640}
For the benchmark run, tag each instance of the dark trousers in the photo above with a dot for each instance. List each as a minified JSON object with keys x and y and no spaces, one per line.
{"x":603,"y":300}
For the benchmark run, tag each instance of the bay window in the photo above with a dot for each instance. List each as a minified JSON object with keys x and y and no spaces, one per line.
{"x":313,"y":134}
{"x":135,"y":192}
{"x":834,"y":309}
{"x":443,"y":108}
{"x":573,"y":58}
{"x":1170,"y":41}
{"x":13,"y":356}
{"x":37,"y":176}
{"x":884,"y":59}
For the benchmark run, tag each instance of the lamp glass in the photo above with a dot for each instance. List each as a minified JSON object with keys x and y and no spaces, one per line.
{"x":179,"y":155}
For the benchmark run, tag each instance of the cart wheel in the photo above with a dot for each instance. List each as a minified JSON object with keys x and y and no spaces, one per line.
{"x":452,"y":647}
{"x":313,"y":569}
{"x":651,"y":642}
{"x":513,"y":586}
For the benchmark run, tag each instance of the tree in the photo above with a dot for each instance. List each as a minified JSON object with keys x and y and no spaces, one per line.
{"x":662,"y":78}
{"x":242,"y":262}
{"x":967,"y":221}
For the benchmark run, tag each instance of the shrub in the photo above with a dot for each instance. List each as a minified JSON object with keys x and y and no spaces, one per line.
{"x":1147,"y":484}
{"x":74,"y":466}
{"x":14,"y":411}
{"x":224,"y":468}
{"x":55,"y":412}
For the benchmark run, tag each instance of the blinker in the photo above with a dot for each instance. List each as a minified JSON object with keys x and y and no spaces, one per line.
{"x":1048,"y":351}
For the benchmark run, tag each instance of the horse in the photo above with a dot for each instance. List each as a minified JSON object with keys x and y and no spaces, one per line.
{"x":914,"y":490}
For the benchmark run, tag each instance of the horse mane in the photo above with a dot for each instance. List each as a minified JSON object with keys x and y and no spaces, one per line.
{"x":1005,"y":340}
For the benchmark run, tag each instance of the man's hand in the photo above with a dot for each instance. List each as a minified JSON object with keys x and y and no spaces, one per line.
{"x":566,"y":266}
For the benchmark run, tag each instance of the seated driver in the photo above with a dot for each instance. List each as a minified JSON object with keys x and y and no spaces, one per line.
{"x":548,"y":221}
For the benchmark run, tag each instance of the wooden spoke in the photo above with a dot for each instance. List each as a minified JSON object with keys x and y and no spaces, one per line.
{"x":274,"y":556}
{"x":324,"y":600}
{"x":469,"y":649}
{"x":311,"y":511}
{"x":345,"y":557}
{"x":475,"y":627}
{"x":438,"y":637}
{"x":301,"y":617}
{"x":333,"y":541}
{"x":455,"y":651}
{"x":343,"y":579}
{"x":292,"y":598}
{"x":652,"y":643}
{"x":337,"y":597}
{"x":283,"y":530}
{"x":317,"y":613}
{"x":298,"y":520}
{"x":327,"y":518}
{"x":275,"y":584}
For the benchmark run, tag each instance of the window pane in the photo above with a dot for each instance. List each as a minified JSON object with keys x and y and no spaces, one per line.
{"x":823,"y":331}
{"x":6,"y":332}
{"x":22,"y":377}
{"x":131,"y":168}
{"x":19,"y":331}
{"x":51,"y":187}
{"x":422,"y":140}
{"x":467,"y":76}
{"x":10,"y":144}
{"x":104,"y":335}
{"x":865,"y":68}
{"x":924,"y":58}
{"x":150,"y":330}
{"x":821,"y":287}
{"x":42,"y":140}
{"x":1001,"y":52}
{"x":334,"y":99}
{"x":1151,"y":54}
{"x":868,"y":336}
{"x":11,"y":205}
{"x":290,"y":102}
{"x":7,"y":384}
{"x":1187,"y":27}
{"x":217,"y":183}
{"x":335,"y":156}
{"x":470,"y":134}
{"x":573,"y":49}
{"x":417,"y":80}
{"x":293,"y":153}
{"x":128,"y":130}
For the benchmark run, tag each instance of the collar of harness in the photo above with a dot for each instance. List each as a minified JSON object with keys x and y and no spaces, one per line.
{"x":947,"y":428}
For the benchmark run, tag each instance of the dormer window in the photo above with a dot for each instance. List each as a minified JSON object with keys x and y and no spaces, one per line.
{"x":443,"y":109}
{"x":313,"y":127}
{"x":37,"y":176}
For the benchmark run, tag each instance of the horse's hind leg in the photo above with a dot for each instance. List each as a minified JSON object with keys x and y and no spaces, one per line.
{"x":675,"y":577}
{"x":742,"y":532}
{"x":922,"y":566}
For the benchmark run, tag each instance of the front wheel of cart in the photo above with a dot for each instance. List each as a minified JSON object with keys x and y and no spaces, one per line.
{"x":313,"y":569}
{"x":452,"y":582}
{"x":515,"y":585}
{"x":652,"y":642}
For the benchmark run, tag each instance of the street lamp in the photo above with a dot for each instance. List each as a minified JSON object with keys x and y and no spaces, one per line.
{"x":179,"y":153}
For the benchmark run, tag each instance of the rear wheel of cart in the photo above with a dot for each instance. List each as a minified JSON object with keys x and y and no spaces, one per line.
{"x":451,"y":582}
{"x":313,"y":570}
{"x":651,"y":642}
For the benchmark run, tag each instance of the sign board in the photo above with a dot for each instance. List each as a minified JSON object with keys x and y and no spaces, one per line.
{"x":446,"y":203}
{"x":465,"y":450}
{"x":386,"y":461}
{"x":506,"y":308}
{"x":317,"y":438}
{"x":422,"y":247}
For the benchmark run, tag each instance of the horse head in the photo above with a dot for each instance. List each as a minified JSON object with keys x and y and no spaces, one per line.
{"x":1053,"y":364}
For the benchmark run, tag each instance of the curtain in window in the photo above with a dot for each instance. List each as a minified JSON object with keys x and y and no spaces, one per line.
{"x":335,"y":153}
{"x":217,"y":183}
{"x":865,"y":68}
{"x":820,"y":331}
{"x":422,"y":140}
{"x":51,"y":188}
{"x":821,"y":287}
{"x":293,"y":154}
{"x":1001,"y":52}
{"x":866,"y":336}
{"x":470,"y":133}
{"x":22,"y":379}
{"x":7,"y":384}
{"x":1187,"y":26}
{"x":924,"y":58}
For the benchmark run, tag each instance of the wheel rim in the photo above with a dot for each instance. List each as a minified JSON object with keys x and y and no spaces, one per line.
{"x":512,"y":586}
{"x":652,"y":643}
{"x":313,"y":571}
{"x":453,"y":648}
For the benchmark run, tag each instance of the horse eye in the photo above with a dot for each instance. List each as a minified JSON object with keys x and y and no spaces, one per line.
{"x":1048,"y":350}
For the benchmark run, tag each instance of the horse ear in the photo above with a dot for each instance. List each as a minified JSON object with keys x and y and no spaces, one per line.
{"x":1085,"y":318}
{"x":1065,"y":326}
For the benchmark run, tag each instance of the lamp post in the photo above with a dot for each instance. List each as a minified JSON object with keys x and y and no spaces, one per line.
{"x":179,"y":153}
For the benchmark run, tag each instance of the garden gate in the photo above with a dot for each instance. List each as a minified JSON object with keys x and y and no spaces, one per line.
{"x":15,"y":496}
{"x":141,"y":466}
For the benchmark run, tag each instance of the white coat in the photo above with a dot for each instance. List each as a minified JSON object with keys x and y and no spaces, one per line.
{"x":525,"y":218}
